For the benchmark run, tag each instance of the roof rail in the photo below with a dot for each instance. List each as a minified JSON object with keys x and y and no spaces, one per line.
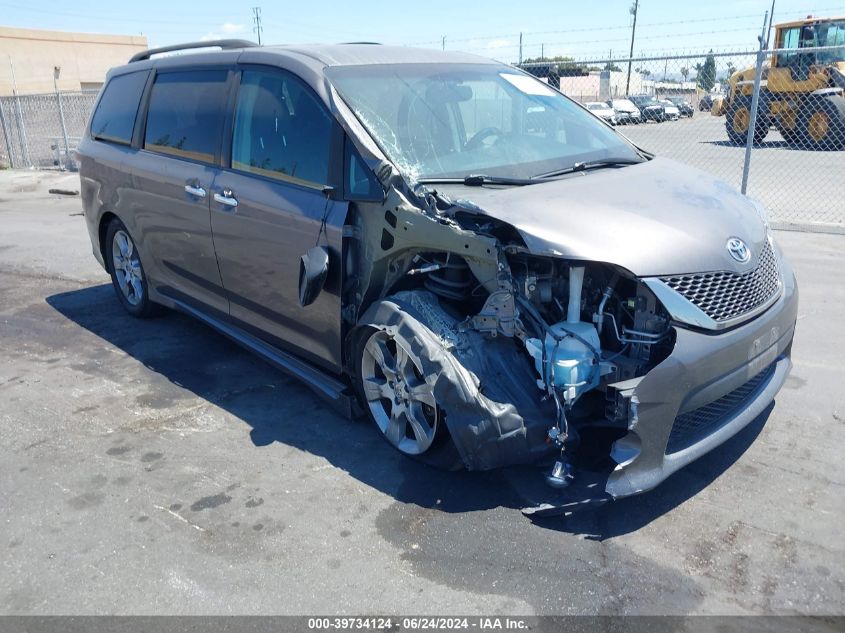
{"x":222,"y":44}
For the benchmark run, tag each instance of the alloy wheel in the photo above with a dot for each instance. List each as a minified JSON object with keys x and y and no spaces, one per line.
{"x":400,"y":400}
{"x":127,"y":268}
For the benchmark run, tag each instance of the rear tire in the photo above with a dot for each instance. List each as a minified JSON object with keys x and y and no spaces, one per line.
{"x":127,"y":272}
{"x":738,"y":120}
{"x":821,"y":123}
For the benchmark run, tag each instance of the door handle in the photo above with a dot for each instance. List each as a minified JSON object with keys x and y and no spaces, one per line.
{"x":227,"y":198}
{"x":199,"y":192}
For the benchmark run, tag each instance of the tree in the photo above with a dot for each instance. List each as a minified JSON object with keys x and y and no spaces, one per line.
{"x":707,"y":72}
{"x":685,"y":72}
{"x":612,"y":67}
{"x":731,"y":69}
{"x":559,"y":65}
{"x":645,"y":72}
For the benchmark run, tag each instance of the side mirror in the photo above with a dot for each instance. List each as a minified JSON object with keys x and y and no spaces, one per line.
{"x":313,"y":270}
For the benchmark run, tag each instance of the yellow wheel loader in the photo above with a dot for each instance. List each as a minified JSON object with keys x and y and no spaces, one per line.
{"x":802,"y":93}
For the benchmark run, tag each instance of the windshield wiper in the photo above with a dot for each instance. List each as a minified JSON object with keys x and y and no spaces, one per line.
{"x":477,"y":180}
{"x":593,"y":164}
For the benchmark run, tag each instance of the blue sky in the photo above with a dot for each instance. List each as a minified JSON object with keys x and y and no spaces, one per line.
{"x":587,"y":30}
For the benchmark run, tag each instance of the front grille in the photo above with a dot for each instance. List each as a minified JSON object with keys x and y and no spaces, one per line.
{"x":726,"y":295}
{"x":693,"y":426}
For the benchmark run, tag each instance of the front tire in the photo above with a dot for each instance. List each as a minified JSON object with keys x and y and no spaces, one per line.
{"x":127,"y":272}
{"x":399,"y":399}
{"x":396,"y":371}
{"x":738,"y":120}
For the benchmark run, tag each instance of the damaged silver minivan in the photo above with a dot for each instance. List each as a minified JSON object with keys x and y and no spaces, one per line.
{"x":443,"y":243}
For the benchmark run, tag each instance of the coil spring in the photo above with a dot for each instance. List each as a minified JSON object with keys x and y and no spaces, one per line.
{"x":452,"y":280}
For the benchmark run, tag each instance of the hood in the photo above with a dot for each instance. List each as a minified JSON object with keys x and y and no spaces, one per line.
{"x":655,"y":218}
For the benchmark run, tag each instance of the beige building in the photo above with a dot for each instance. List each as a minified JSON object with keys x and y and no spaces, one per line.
{"x":28,"y":58}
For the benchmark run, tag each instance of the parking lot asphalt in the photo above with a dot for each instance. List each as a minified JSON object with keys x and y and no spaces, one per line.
{"x":797,"y":186}
{"x":153,"y":467}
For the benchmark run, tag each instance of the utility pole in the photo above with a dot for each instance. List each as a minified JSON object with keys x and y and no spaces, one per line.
{"x":771,"y":20}
{"x":634,"y":10}
{"x":543,"y":52}
{"x":443,"y":43}
{"x":256,"y":18}
{"x":520,"y":49}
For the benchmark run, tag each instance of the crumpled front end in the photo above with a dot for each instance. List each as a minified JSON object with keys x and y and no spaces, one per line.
{"x":710,"y":387}
{"x":539,"y":348}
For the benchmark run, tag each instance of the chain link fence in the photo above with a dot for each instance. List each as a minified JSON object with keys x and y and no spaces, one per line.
{"x":686,"y":107}
{"x":43,"y":130}
{"x":681,"y":106}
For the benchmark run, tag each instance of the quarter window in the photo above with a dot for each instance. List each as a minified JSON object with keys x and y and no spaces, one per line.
{"x":281,"y":130}
{"x":186,"y":114}
{"x":359,"y":181}
{"x":114,"y":119}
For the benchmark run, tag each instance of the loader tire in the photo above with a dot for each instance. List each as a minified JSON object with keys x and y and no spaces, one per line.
{"x":821,"y":124}
{"x":738,"y":120}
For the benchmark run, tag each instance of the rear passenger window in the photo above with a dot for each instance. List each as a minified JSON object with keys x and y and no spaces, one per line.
{"x":115,"y":115}
{"x":281,"y":129}
{"x":186,"y":113}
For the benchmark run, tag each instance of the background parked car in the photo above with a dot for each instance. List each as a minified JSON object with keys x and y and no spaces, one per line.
{"x":622,"y":118}
{"x":603,"y":111}
{"x":705,"y":103}
{"x":625,"y":106}
{"x":672,"y":111}
{"x":684,"y":106}
{"x":651,"y":109}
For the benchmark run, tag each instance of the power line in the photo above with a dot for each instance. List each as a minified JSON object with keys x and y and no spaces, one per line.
{"x":724,"y":18}
{"x":169,"y":21}
{"x":515,"y":47}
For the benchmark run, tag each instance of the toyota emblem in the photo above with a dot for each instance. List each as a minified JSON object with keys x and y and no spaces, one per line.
{"x":738,"y":250}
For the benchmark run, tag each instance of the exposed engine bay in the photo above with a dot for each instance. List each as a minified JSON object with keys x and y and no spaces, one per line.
{"x":588,"y":330}
{"x":585,"y":327}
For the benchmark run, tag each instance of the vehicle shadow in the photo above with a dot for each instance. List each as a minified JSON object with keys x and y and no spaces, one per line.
{"x":772,"y":144}
{"x":191,"y":355}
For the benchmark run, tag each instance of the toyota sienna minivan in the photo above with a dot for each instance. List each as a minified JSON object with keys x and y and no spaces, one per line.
{"x":445,"y":244}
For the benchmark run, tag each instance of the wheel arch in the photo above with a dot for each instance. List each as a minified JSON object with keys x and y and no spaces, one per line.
{"x":381,"y":241}
{"x":491,"y":415}
{"x":102,"y":231}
